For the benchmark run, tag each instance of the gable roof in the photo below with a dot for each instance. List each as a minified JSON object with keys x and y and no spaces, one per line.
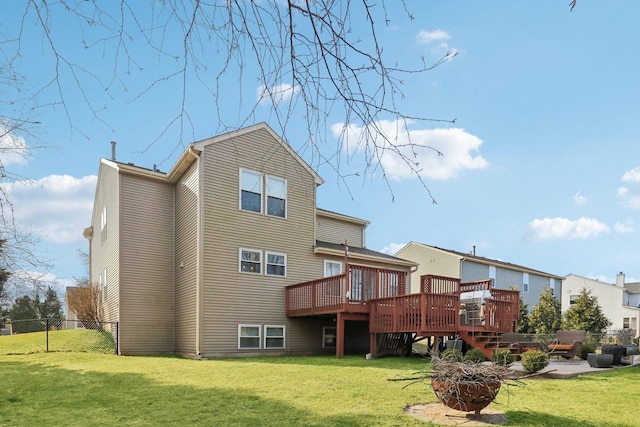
{"x":199,"y":146}
{"x":193,"y":152}
{"x":462,"y":256}
{"x":359,"y":253}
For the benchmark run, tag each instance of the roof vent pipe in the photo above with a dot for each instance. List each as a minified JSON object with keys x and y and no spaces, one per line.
{"x":113,"y":151}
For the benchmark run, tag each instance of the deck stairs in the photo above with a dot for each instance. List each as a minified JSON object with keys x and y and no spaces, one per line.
{"x":487,"y":342}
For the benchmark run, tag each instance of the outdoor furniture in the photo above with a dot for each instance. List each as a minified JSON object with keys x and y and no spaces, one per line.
{"x":616,"y":350}
{"x":568,"y":344}
{"x":517,"y":341}
{"x":603,"y":360}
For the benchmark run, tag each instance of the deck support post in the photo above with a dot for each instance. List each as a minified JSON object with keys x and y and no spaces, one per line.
{"x":373,"y":345}
{"x":340,"y":335}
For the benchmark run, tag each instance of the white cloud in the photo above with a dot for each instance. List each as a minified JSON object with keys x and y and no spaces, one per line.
{"x":13,"y":148}
{"x":563,"y":228}
{"x":426,"y":37}
{"x":392,"y":248}
{"x":624,"y":227}
{"x":57,"y":206}
{"x":275,"y":94}
{"x":630,"y":195}
{"x":632,"y":175}
{"x":579,"y":198}
{"x":418,"y":147}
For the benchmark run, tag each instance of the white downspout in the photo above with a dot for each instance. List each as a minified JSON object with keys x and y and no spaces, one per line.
{"x":199,"y":256}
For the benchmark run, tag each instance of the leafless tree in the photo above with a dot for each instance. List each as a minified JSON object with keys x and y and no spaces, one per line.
{"x":84,"y":301}
{"x":311,"y":62}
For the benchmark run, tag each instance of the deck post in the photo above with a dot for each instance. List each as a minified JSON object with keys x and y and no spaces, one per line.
{"x":339,"y":335}
{"x":373,"y":347}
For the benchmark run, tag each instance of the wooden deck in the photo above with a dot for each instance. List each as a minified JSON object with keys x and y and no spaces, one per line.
{"x":443,"y":307}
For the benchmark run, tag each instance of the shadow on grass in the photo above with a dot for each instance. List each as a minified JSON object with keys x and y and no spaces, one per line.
{"x":37,"y":394}
{"x":531,"y":418}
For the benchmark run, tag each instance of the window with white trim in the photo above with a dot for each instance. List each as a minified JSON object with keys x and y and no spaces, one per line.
{"x":525,"y":282}
{"x":103,"y":224}
{"x":332,"y":268}
{"x":276,"y":197}
{"x":276,"y":264}
{"x":329,"y":334}
{"x":250,"y":191}
{"x":250,"y":261}
{"x":249,"y":336}
{"x":253,"y":185}
{"x":274,"y":336}
{"x":104,"y":285}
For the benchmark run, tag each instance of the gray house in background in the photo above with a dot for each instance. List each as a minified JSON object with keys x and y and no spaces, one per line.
{"x":196,"y":261}
{"x":469,"y":267}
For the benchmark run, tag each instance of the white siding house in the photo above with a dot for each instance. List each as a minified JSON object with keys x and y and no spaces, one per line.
{"x":620,"y":301}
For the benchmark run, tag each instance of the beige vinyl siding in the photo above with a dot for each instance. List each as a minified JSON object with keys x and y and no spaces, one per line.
{"x":186,"y":261}
{"x":105,"y":254}
{"x":333,"y":230}
{"x":146,"y":266}
{"x":229,"y":297}
{"x":430,"y":261}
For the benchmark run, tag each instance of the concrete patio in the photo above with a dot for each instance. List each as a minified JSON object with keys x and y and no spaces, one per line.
{"x":566,"y":368}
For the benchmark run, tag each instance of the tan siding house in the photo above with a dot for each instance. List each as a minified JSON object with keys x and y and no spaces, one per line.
{"x":199,"y":258}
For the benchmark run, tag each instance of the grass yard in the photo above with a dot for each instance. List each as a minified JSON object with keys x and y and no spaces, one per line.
{"x":58,"y":340}
{"x":89,"y":389}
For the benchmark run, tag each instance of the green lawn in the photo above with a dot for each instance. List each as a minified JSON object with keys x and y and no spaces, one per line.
{"x":89,"y":389}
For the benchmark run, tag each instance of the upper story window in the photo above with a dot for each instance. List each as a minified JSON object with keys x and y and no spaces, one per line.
{"x":525,"y":282}
{"x":276,"y":264}
{"x":250,"y":261}
{"x":103,"y":224}
{"x":252,"y":187}
{"x":250,"y":191}
{"x":276,"y":196}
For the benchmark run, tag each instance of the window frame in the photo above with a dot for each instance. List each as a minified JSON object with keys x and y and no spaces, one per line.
{"x":267,"y":264}
{"x":328,"y":261}
{"x":525,"y":282}
{"x":325,"y":336}
{"x":240,"y":260}
{"x":103,"y":224}
{"x":265,"y":346}
{"x":268,"y":195}
{"x":260,"y":188}
{"x":240,"y":336}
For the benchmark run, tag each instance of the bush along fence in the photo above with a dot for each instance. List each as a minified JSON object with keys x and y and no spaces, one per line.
{"x":48,"y":335}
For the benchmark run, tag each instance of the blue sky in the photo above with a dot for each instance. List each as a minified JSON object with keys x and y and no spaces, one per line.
{"x":541,"y":168}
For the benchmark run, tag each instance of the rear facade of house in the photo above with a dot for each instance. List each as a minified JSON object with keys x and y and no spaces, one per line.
{"x":196,"y":261}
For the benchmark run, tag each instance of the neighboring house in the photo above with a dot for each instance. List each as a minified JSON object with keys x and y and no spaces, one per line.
{"x":468,"y":268}
{"x":196,"y":261}
{"x":620,"y":302}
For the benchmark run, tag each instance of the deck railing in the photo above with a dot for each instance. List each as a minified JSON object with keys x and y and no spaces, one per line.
{"x":344,"y":292}
{"x":415,"y":312}
{"x":431,"y":284}
{"x":367,"y":289}
{"x":478,"y":285}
